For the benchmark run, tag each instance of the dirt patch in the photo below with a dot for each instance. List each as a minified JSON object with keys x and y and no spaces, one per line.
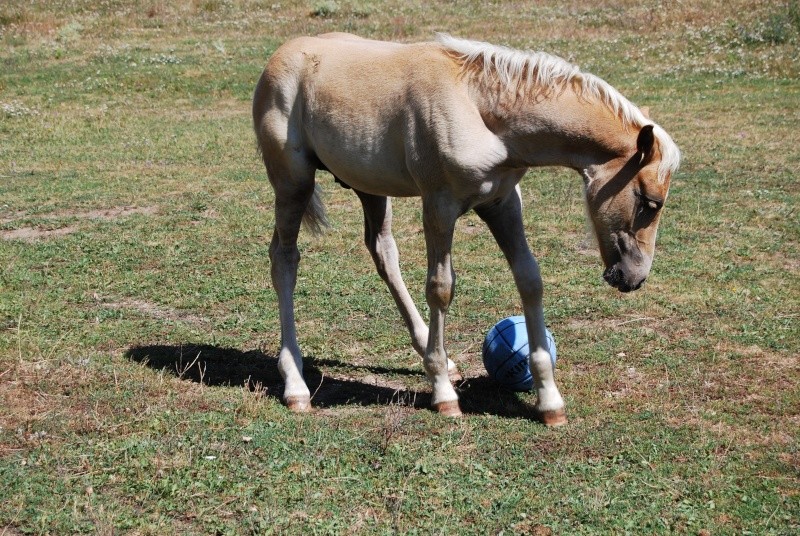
{"x":156,"y":311}
{"x":109,"y":213}
{"x":612,"y":324}
{"x":30,"y":234}
{"x":10,"y":216}
{"x":25,"y":408}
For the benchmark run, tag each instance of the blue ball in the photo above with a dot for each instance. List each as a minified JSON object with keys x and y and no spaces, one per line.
{"x":505,"y":353}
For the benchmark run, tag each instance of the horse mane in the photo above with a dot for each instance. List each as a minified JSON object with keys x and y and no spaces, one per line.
{"x":542,"y":73}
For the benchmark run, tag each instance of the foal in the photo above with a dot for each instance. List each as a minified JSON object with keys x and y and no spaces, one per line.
{"x":457,"y":123}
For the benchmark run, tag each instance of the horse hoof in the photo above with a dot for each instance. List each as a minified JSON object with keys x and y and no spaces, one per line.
{"x":448,"y":409}
{"x":298,"y":404}
{"x":555,"y":417}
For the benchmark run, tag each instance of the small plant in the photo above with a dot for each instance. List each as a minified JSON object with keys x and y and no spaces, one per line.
{"x":16,"y":109}
{"x":252,"y":402}
{"x":325,"y":10}
{"x":776,"y":29}
{"x":362,"y":10}
{"x":69,"y":32}
{"x":394,"y":419}
{"x":12,"y":15}
{"x":208,"y":6}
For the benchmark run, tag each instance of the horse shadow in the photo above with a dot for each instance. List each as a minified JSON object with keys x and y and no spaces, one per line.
{"x":255,"y":370}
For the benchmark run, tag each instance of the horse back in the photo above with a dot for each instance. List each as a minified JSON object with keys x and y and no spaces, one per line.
{"x":376,"y":114}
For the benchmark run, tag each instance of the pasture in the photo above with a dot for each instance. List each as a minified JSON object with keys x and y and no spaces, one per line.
{"x":139,"y":392}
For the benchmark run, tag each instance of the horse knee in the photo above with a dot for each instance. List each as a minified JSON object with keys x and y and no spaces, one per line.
{"x":532,"y":289}
{"x":439,"y":290}
{"x":534,"y":284}
{"x":529,"y":279}
{"x":281,"y":252}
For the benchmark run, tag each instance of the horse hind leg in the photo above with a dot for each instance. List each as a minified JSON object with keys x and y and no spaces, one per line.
{"x":382,"y":247}
{"x":294,"y":201}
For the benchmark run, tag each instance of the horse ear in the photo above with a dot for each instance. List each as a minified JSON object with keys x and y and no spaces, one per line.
{"x":645,"y":141}
{"x":645,"y":111}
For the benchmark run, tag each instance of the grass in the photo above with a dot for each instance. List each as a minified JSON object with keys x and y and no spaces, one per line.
{"x":138,"y":327}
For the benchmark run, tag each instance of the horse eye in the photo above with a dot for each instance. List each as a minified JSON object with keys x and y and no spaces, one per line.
{"x":648,"y":204}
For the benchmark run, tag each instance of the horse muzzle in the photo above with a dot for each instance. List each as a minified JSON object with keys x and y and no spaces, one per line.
{"x":622,"y":281}
{"x":629,"y":266}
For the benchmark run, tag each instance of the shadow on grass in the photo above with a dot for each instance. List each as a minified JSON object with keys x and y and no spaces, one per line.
{"x":217,"y":366}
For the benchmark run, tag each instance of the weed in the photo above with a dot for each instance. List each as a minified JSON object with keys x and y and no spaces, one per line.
{"x":17,"y":109}
{"x":394,"y":419}
{"x":325,"y":9}
{"x":775,"y":28}
{"x":70,"y":32}
{"x":12,"y":15}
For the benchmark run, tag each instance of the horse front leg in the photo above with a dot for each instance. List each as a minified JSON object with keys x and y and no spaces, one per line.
{"x":505,"y":222}
{"x":439,"y":216}
{"x":382,"y":247}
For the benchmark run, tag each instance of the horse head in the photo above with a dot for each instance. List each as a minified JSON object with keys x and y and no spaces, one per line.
{"x":625,"y":198}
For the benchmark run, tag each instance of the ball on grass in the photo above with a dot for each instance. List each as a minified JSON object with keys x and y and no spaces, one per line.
{"x":505,"y":353}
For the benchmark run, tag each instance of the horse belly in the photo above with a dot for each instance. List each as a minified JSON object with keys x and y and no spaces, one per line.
{"x":365,"y":155}
{"x":385,"y":185}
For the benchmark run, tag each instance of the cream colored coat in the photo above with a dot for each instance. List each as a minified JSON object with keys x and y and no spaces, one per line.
{"x":456,"y":123}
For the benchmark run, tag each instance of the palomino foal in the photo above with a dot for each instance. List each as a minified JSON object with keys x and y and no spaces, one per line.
{"x":456,"y":123}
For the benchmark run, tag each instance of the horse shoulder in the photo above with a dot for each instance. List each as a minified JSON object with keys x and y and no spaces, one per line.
{"x":453,"y":117}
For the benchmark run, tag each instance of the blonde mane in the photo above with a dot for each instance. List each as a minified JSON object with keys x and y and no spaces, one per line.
{"x":518,"y":70}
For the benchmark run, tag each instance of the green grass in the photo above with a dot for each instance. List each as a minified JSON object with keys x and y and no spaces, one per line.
{"x":138,"y":327}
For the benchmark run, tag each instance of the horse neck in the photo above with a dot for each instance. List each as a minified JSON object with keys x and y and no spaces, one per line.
{"x":560,"y":129}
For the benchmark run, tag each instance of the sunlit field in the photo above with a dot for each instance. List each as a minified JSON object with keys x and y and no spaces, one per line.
{"x":139,"y":392}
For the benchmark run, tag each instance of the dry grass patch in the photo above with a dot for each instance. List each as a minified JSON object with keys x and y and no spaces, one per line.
{"x":30,"y":234}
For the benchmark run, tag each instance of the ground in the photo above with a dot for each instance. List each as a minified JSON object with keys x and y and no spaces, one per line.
{"x":138,"y":326}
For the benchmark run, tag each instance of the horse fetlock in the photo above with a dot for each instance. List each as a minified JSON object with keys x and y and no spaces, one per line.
{"x":549,"y":399}
{"x":295,"y":385}
{"x":453,"y":374}
{"x":443,"y":391}
{"x":291,"y":369}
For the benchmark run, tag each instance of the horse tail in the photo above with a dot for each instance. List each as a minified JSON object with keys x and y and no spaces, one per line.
{"x":315,"y":219}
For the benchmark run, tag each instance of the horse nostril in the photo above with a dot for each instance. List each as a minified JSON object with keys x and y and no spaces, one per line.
{"x":611,"y":276}
{"x":617,"y":279}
